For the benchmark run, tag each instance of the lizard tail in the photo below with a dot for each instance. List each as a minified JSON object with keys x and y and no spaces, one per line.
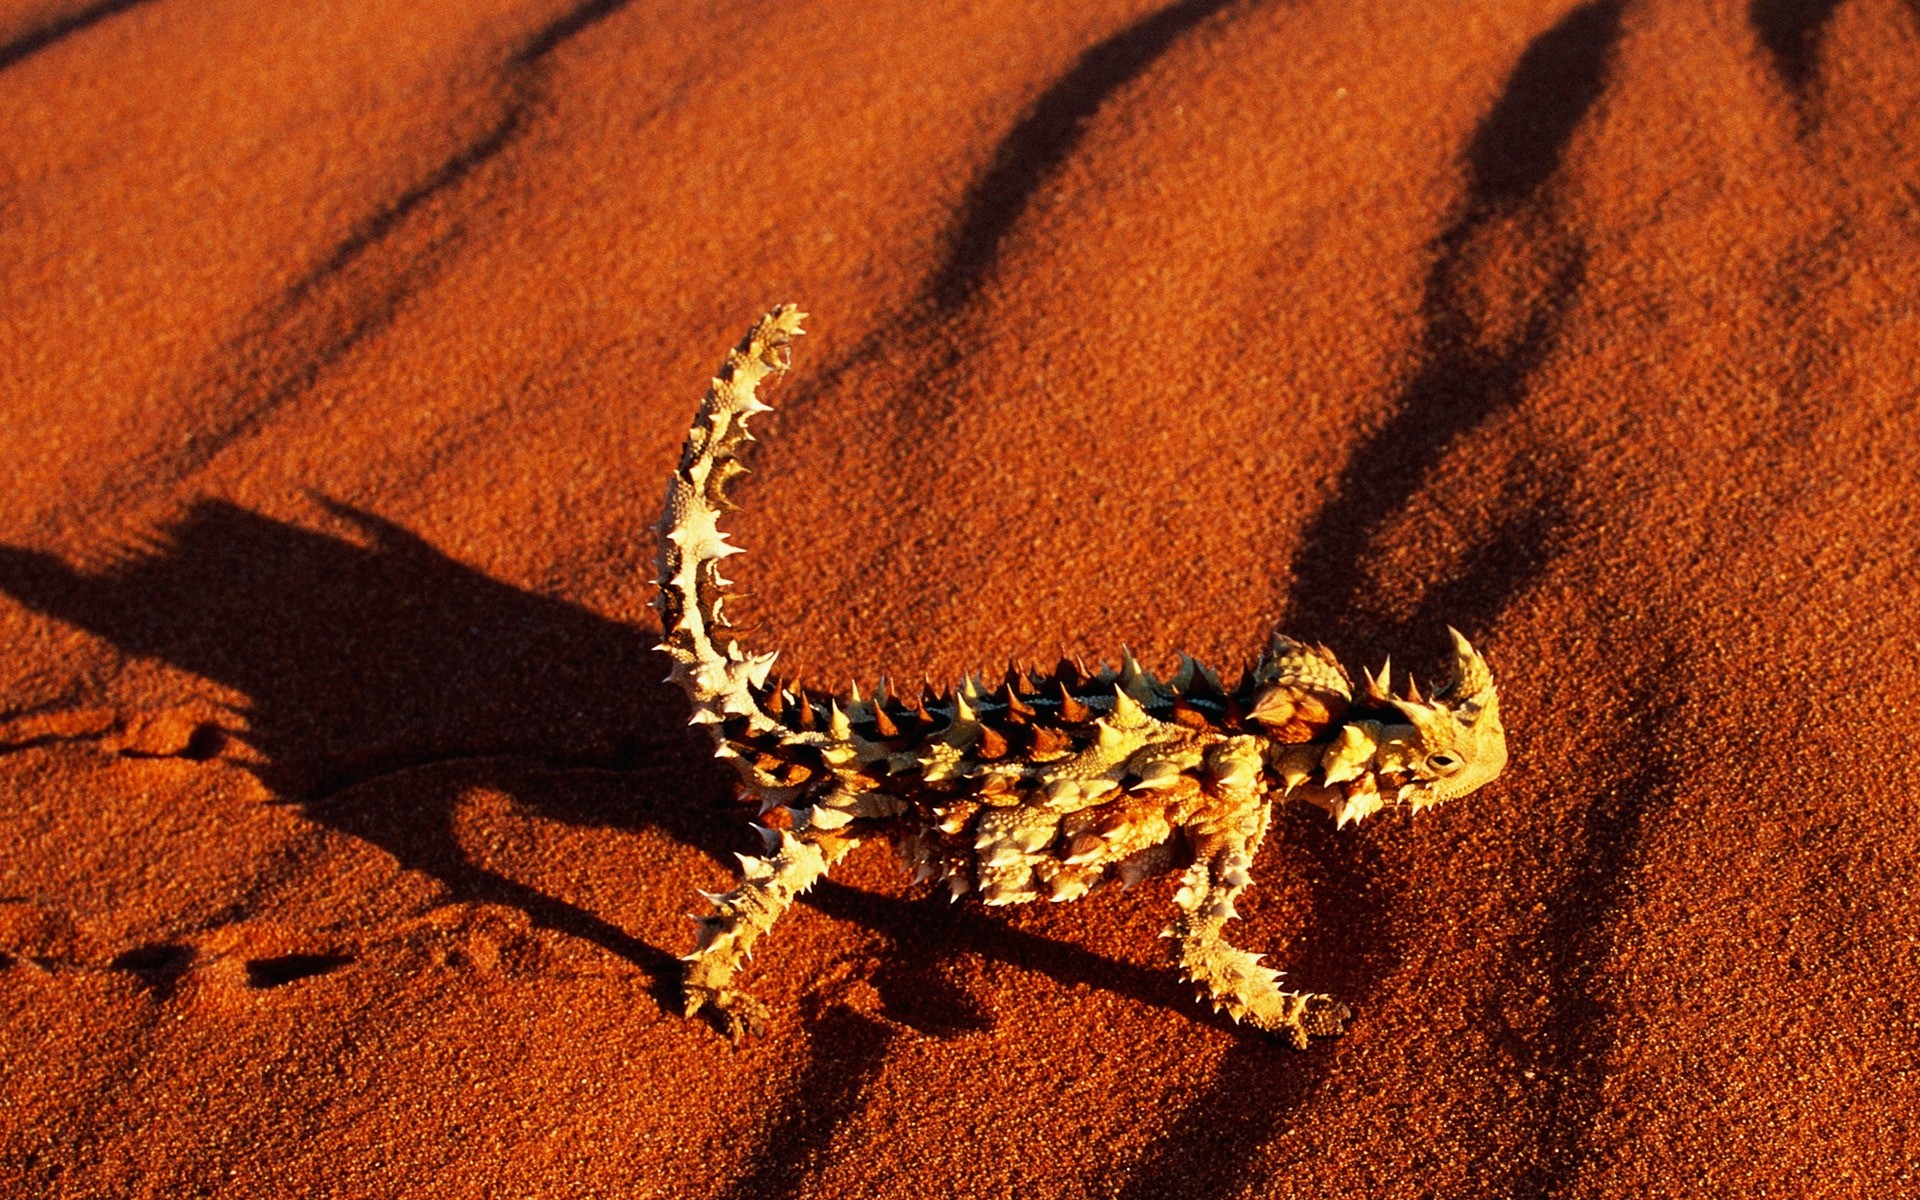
{"x":719,"y":682}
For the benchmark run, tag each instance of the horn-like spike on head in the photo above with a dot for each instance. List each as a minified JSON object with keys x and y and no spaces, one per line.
{"x":1126,"y":710}
{"x":1413,"y":690}
{"x":1471,"y":675}
{"x":1418,"y":715}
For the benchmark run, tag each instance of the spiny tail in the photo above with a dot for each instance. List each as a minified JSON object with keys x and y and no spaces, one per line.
{"x":718,"y":682}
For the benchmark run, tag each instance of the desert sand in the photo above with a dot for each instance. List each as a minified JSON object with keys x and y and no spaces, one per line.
{"x":347,"y":832}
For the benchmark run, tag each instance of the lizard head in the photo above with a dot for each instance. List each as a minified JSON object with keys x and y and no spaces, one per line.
{"x":1457,"y":742}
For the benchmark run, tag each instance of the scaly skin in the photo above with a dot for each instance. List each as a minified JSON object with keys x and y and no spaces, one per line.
{"x":1051,"y":783}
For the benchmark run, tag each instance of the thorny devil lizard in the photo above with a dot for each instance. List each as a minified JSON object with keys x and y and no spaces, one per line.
{"x":1047,"y":785}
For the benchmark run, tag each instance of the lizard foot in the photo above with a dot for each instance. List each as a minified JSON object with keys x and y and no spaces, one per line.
{"x":1304,"y":1015}
{"x":735,"y":1014}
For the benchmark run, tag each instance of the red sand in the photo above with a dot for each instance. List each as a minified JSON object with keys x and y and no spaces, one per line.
{"x":348,"y":832}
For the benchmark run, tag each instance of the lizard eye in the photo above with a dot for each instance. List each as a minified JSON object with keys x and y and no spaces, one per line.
{"x":1443,"y":762}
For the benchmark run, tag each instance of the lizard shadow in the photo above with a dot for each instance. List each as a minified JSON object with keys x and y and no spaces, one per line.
{"x":369,"y":653}
{"x":384,"y":681}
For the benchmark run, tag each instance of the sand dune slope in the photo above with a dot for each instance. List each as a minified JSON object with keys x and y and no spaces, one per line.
{"x":348,"y":833}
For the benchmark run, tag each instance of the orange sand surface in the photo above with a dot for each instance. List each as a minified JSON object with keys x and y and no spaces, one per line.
{"x":347,"y":833}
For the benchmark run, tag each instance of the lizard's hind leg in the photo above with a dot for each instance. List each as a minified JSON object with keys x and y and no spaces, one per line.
{"x":1232,"y":978}
{"x":767,"y":887}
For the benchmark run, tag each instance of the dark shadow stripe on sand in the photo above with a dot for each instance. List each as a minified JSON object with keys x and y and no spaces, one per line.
{"x":1511,"y":162}
{"x":352,"y":295}
{"x":1574,"y":947}
{"x":1792,"y":33}
{"x":1515,"y":152}
{"x":356,"y":290}
{"x":845,"y":1053}
{"x":1046,"y":136}
{"x":29,"y":44}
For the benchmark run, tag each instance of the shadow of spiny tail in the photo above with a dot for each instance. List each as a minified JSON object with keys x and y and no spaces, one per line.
{"x":36,"y":40}
{"x":360,"y":656}
{"x":364,"y":655}
{"x":1511,"y":162}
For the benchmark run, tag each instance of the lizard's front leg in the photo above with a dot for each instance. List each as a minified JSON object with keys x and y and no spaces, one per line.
{"x":1225,"y":840}
{"x":768,"y":886}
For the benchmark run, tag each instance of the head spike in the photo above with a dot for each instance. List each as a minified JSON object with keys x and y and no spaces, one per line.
{"x":1470,"y":675}
{"x":1419,"y":715}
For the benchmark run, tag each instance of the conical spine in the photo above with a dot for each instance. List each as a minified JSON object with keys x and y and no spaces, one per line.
{"x":719,"y":681}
